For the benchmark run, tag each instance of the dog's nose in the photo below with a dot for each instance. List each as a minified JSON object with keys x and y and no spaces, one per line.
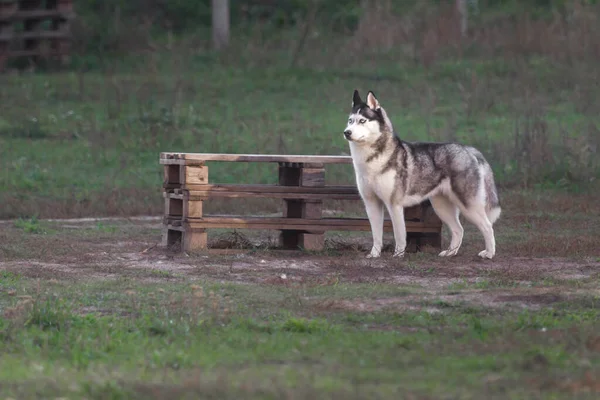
{"x":347,"y":134}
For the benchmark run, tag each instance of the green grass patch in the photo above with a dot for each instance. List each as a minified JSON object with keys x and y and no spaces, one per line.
{"x":132,"y":340}
{"x":80,"y":144}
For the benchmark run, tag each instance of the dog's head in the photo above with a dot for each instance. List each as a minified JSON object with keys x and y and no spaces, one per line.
{"x":367,"y":121}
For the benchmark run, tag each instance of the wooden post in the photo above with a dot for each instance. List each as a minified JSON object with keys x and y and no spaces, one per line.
{"x":310,"y":175}
{"x":463,"y":15}
{"x":193,"y":239}
{"x":429,"y":216}
{"x":179,"y":206}
{"x":220,"y":23}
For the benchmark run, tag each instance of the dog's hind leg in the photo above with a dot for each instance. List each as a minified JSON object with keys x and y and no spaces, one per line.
{"x":478,"y":216}
{"x":374,"y":207}
{"x":448,"y":213}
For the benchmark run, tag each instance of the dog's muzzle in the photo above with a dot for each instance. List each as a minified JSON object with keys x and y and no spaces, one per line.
{"x":347,"y":134}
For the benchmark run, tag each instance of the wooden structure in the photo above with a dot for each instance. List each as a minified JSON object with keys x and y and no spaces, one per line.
{"x":301,"y":187}
{"x":37,"y":29}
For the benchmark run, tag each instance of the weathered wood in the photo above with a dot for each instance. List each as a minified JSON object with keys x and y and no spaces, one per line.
{"x":302,"y":186}
{"x":35,"y":29}
{"x":192,"y":209}
{"x":276,"y":195}
{"x":312,"y":241}
{"x":417,"y":212}
{"x":312,"y":177}
{"x":34,"y":14}
{"x":301,"y":224}
{"x":297,"y":175}
{"x":194,"y":240}
{"x":194,"y":175}
{"x":182,"y":158}
{"x":35,"y":35}
{"x":215,"y":188}
{"x":312,"y":209}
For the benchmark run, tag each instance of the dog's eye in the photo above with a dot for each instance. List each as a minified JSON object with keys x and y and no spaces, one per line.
{"x":349,"y":120}
{"x":362,"y":121}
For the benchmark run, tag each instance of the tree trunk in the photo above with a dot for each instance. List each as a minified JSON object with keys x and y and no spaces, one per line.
{"x":220,"y":23}
{"x":463,"y":15}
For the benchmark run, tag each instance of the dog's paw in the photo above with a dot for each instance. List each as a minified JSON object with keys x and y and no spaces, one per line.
{"x":448,"y":253}
{"x":486,"y":255}
{"x":398,"y":253}
{"x":375,"y":252}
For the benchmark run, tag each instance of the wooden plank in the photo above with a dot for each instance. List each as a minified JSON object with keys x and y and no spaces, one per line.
{"x":172,"y":158}
{"x":315,"y":225}
{"x":312,"y":209}
{"x":192,"y":209}
{"x":194,"y":240}
{"x":194,"y":175}
{"x":28,"y":53}
{"x":306,"y":196}
{"x":35,"y":35}
{"x":269,"y":188}
{"x":311,"y":241}
{"x":35,"y":14}
{"x":312,"y":177}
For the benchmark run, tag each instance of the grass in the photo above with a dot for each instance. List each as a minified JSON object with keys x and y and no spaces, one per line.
{"x":86,"y":143}
{"x":102,"y":340}
{"x":108,"y":315}
{"x":95,"y":310}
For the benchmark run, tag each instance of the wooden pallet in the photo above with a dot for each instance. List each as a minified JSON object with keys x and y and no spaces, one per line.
{"x":301,"y":187}
{"x":23,"y":31}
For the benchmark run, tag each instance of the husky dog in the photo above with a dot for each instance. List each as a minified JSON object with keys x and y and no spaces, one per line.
{"x":391,"y":172}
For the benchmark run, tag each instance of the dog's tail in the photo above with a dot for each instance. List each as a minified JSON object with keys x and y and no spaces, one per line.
{"x":492,"y":202}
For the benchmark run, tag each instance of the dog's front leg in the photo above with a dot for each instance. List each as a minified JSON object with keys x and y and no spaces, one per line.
{"x":374,"y":208}
{"x":397,"y":215}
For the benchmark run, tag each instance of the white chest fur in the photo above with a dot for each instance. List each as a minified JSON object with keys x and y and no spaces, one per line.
{"x":372,"y":177}
{"x":375,"y":178}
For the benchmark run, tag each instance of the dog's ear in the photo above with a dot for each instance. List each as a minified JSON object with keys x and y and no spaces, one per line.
{"x":372,"y":101}
{"x":356,"y":100}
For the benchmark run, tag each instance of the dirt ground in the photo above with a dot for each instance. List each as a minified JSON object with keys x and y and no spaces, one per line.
{"x":507,"y":281}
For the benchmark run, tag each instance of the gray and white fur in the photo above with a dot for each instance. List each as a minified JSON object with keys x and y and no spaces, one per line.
{"x":394,"y":173}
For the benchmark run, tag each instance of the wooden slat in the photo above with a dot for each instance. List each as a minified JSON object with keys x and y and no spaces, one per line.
{"x":194,"y":175}
{"x":275,"y":195}
{"x":34,"y":35}
{"x":318,"y":225}
{"x":183,"y":158}
{"x":34,"y":14}
{"x":268,"y":188}
{"x":312,"y":177}
{"x":229,"y":191}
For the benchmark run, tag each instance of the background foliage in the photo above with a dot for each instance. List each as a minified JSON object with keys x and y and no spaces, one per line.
{"x":84,"y":139}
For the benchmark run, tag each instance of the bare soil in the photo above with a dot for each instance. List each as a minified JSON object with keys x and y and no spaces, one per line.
{"x":507,"y":281}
